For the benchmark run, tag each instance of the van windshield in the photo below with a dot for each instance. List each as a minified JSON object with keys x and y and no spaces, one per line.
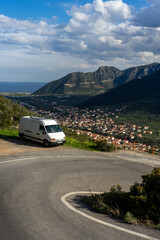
{"x":53,"y":128}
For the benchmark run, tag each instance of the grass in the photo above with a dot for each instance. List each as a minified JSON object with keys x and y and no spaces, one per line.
{"x":7,"y":133}
{"x":71,"y":142}
{"x":82,"y":141}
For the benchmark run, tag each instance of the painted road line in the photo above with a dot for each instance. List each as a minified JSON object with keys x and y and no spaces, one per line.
{"x":152,"y":163}
{"x":63,"y":199}
{"x":46,"y":157}
{"x":148,"y":162}
{"x":17,"y":160}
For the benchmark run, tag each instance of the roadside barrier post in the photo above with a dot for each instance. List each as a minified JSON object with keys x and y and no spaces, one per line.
{"x":153,"y":150}
{"x":134,"y":145}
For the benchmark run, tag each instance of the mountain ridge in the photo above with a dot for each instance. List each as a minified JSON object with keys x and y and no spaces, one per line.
{"x":97,"y":82}
{"x":144,"y":90}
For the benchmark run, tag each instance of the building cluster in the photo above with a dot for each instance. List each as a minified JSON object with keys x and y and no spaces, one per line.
{"x":99,"y":124}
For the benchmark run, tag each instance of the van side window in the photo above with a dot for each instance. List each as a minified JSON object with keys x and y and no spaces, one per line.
{"x":41,"y":129}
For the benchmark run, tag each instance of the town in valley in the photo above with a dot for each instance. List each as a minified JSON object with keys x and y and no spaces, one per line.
{"x":99,"y":123}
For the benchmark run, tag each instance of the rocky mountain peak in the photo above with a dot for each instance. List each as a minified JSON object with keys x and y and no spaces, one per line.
{"x":94,"y":83}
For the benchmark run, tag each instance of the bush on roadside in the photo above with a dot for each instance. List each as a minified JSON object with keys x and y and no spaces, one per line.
{"x":145,"y":197}
{"x":104,"y":146}
{"x":129,"y":218}
{"x":141,"y":203}
{"x":85,"y":142}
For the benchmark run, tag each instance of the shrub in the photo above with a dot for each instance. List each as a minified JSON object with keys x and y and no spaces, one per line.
{"x":136,"y":189}
{"x":104,"y":146}
{"x":129,"y":218}
{"x":141,"y":202}
{"x":145,"y":197}
{"x":158,"y":226}
{"x":85,"y":142}
{"x":151,"y":185}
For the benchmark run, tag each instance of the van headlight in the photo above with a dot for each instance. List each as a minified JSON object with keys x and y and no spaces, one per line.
{"x":53,"y":140}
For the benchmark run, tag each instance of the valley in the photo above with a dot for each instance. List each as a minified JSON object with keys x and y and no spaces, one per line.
{"x":126,"y":115}
{"x":122,"y":125}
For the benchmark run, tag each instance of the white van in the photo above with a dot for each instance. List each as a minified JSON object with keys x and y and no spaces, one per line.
{"x":46,"y":131}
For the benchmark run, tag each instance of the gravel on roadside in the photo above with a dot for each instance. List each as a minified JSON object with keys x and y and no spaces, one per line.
{"x":13,"y":146}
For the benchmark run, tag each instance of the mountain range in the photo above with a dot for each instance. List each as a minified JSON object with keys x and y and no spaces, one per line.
{"x":98,"y":82}
{"x":144,"y":92}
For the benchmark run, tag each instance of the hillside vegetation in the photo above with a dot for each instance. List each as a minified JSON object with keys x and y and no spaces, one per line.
{"x":10,"y":113}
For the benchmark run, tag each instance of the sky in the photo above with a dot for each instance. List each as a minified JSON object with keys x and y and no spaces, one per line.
{"x":43,"y":40}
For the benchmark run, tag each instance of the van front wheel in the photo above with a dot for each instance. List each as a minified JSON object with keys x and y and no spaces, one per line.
{"x":46,"y":143}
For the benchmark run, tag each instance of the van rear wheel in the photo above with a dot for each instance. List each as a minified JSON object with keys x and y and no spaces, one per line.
{"x":22,"y":136}
{"x":46,"y":143}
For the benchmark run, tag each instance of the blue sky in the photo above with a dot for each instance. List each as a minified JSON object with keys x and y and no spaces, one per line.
{"x":39,"y":9}
{"x":42,"y":40}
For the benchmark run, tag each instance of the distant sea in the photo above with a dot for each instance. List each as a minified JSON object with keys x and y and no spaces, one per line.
{"x":20,"y":86}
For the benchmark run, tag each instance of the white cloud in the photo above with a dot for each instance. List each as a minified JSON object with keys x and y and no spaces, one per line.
{"x":113,"y":11}
{"x":109,"y":32}
{"x":98,"y":33}
{"x":83,"y":45}
{"x":16,"y":65}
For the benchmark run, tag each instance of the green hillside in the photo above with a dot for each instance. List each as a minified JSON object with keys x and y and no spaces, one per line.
{"x":10,"y":113}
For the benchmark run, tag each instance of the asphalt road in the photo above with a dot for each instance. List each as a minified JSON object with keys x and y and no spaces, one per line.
{"x":33,"y":205}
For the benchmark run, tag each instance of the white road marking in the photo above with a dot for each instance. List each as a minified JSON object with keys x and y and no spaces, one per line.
{"x":145,"y":161}
{"x":63,"y":199}
{"x":148,"y":162}
{"x":16,"y":160}
{"x":83,"y":157}
{"x":46,"y":157}
{"x":140,"y":161}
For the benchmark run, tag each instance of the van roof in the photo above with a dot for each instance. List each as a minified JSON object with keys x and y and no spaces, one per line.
{"x":46,"y":121}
